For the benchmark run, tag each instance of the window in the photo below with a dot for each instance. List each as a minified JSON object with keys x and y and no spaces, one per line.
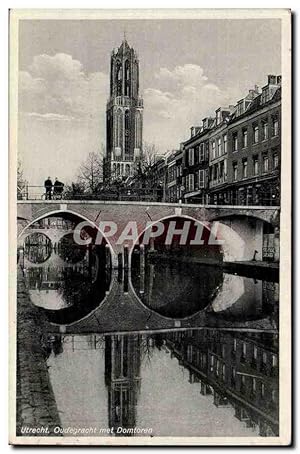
{"x":225,"y":143}
{"x":217,"y":368}
{"x":274,"y":361}
{"x":233,"y":373}
{"x":244,"y":348}
{"x":254,"y":384}
{"x":265,"y":130}
{"x":262,"y":390}
{"x":235,"y":141}
{"x":201,"y":152}
{"x":255,"y":352}
{"x":245,"y":138}
{"x":240,"y":108}
{"x":266,"y":164}
{"x":221,"y":170}
{"x":265,"y":95}
{"x":234,"y":345}
{"x":223,"y":351}
{"x":191,"y":157}
{"x":264,"y":358}
{"x":225,"y":168}
{"x":213,"y":149}
{"x":215,"y":172}
{"x":235,"y":169}
{"x":201,"y":178}
{"x":243,"y":383}
{"x":245,"y":168}
{"x":219,"y":147}
{"x":275,"y":161}
{"x":224,"y":372}
{"x":191,"y":182}
{"x":255,"y":133}
{"x":275,"y":127}
{"x":255,"y":165}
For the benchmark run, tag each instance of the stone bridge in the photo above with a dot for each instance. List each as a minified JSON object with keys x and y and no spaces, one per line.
{"x":241,"y":228}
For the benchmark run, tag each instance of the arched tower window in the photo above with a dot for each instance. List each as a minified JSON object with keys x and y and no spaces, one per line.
{"x":138,"y":129}
{"x":127,"y":78}
{"x":119,"y":129}
{"x":127,"y":134}
{"x":119,"y":78}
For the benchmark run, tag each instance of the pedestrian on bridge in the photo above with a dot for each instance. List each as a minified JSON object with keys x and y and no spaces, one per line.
{"x":58,"y":189}
{"x":48,"y":186}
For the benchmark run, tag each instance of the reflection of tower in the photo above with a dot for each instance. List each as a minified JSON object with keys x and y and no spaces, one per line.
{"x":122,"y":378}
{"x":124,"y":114}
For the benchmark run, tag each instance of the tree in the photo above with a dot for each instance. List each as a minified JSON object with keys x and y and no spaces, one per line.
{"x":90,"y":175}
{"x":145,"y":162}
{"x":21,"y":182}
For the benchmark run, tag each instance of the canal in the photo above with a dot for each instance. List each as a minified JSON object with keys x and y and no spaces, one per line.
{"x":179,"y":348}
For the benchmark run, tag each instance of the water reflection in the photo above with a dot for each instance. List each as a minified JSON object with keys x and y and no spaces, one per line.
{"x":202,"y":382}
{"x":177,"y":290}
{"x":37,"y":247}
{"x":67,"y":290}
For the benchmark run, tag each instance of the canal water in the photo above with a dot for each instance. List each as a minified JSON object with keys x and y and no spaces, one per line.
{"x":169,"y":349}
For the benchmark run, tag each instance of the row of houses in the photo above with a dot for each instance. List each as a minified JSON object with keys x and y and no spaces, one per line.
{"x":232,"y":158}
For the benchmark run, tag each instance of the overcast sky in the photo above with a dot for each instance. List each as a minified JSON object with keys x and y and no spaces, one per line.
{"x":188,"y":68}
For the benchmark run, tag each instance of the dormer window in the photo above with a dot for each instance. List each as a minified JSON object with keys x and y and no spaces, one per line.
{"x":240,"y":108}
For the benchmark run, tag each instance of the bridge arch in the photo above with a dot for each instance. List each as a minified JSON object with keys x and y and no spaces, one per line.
{"x":257,"y":231}
{"x":60,"y":212}
{"x":231,"y":248}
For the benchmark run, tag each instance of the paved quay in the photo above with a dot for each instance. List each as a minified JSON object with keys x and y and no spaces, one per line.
{"x":36,"y":406}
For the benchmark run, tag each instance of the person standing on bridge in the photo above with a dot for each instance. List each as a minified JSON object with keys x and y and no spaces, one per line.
{"x":48,"y":186}
{"x":58,"y":189}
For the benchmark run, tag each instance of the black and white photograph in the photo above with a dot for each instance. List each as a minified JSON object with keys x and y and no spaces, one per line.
{"x":150,"y":157}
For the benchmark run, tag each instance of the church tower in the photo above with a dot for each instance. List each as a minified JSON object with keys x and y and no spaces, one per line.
{"x":124,"y":115}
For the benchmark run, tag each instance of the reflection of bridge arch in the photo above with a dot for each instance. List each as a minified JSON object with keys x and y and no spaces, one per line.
{"x":60,"y":213}
{"x":54,"y":235}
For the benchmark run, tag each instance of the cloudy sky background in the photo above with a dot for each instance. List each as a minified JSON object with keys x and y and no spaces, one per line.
{"x":188,"y":68}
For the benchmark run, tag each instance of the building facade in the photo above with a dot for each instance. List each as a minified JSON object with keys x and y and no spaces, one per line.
{"x":254,"y":148}
{"x":124,"y":115}
{"x":233,"y":158}
{"x":174,"y":176}
{"x":195,"y":164}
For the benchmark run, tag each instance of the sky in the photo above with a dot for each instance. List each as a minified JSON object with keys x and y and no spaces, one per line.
{"x":188,"y":68}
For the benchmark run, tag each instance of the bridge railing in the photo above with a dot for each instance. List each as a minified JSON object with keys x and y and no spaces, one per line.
{"x":126,"y":194}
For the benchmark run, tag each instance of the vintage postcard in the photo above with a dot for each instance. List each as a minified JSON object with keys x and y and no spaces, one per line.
{"x":150,"y":227}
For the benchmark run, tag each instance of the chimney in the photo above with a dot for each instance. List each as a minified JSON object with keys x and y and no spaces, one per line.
{"x":271,"y":79}
{"x":210,"y":121}
{"x":231,"y":108}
